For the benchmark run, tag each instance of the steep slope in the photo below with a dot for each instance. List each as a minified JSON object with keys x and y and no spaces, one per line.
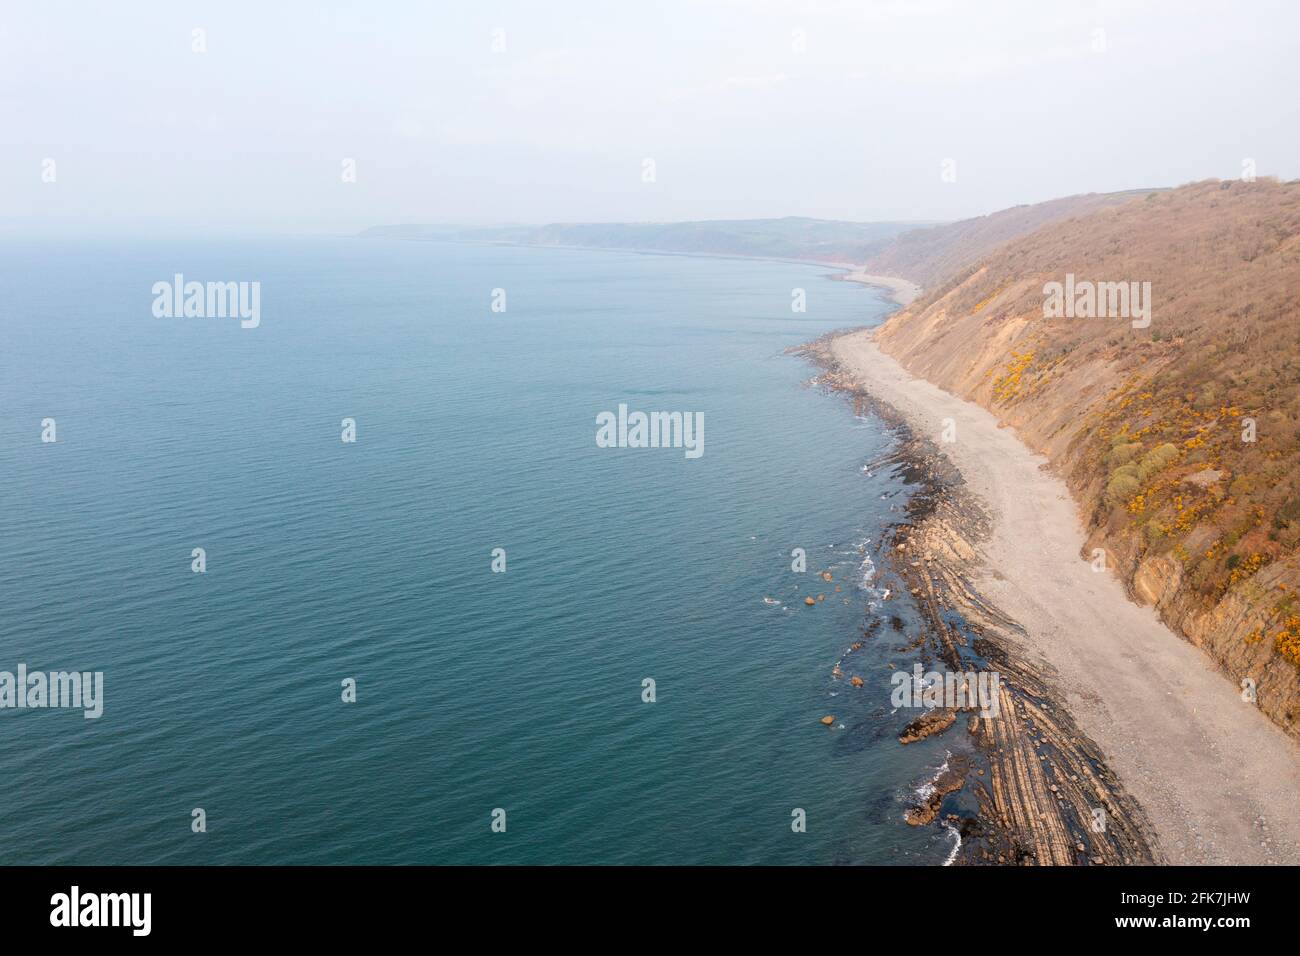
{"x":1179,"y":437}
{"x":928,"y":256}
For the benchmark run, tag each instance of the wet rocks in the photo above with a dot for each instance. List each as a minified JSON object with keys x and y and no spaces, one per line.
{"x":928,"y":724}
{"x":949,"y":781}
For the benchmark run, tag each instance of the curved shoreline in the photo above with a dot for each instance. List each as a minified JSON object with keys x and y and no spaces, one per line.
{"x":902,"y":291}
{"x":1216,"y":779}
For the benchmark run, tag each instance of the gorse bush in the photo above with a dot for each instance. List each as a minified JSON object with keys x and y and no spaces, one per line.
{"x":1121,"y":487}
{"x":1156,"y":461}
{"x":1123,"y":453}
{"x":1183,"y":437}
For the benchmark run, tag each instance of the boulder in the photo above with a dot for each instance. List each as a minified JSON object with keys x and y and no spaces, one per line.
{"x":931,"y":722}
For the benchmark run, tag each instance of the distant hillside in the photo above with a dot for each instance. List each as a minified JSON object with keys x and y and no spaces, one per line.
{"x":822,"y":240}
{"x":929,"y":256}
{"x":1180,"y":440}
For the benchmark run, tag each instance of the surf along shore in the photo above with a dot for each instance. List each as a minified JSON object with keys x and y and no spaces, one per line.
{"x":1117,"y":742}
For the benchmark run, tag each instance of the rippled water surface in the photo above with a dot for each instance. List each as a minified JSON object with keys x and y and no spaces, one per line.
{"x":371,"y":561}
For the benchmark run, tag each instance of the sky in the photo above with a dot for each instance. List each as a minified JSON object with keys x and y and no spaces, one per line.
{"x":317,"y":118}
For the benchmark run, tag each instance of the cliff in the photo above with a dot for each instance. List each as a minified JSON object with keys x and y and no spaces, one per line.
{"x":930,"y":255}
{"x":1174,"y":416}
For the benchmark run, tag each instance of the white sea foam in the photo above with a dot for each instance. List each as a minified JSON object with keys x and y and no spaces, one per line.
{"x":956,"y":843}
{"x":868,"y":572}
{"x":927,"y":788}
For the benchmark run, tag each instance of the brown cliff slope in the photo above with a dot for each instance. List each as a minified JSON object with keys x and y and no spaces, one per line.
{"x":931,"y":255}
{"x":1179,"y":438}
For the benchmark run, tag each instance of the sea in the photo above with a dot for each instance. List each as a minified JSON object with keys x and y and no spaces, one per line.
{"x":472,"y":634}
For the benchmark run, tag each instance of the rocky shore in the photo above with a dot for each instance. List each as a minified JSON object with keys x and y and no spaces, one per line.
{"x":1044,"y":792}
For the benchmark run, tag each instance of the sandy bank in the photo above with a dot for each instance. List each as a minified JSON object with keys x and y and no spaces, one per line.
{"x":1217,"y":780}
{"x":900,"y":290}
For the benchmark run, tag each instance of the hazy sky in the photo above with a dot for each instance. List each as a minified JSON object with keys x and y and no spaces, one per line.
{"x":748,"y":108}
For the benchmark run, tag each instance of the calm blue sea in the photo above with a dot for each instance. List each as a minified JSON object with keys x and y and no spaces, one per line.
{"x":372,"y":561}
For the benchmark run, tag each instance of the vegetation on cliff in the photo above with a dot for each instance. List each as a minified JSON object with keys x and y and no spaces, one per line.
{"x":930,"y":256}
{"x":1180,"y":438}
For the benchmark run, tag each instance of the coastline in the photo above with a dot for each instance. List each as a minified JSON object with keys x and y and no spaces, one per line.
{"x":902,"y":291}
{"x":1035,"y":778}
{"x":849,"y":271}
{"x":1186,"y":771}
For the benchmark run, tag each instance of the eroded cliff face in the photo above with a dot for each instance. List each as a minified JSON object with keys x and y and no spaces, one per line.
{"x":1178,"y":431}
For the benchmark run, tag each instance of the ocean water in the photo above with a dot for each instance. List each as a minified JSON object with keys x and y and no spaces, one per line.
{"x":372,"y":561}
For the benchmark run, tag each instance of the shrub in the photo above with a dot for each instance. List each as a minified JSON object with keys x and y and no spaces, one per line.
{"x":1122,"y":453}
{"x":1121,"y":487}
{"x":1156,"y":460}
